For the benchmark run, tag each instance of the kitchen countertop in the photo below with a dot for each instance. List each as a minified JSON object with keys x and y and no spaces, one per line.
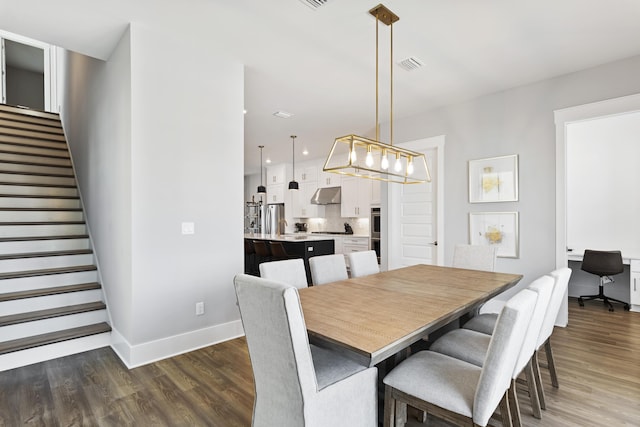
{"x":294,"y":237}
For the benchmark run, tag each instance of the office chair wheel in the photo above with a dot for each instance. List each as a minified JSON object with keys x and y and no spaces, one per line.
{"x":580,"y":302}
{"x":610,"y":308}
{"x":627,"y":307}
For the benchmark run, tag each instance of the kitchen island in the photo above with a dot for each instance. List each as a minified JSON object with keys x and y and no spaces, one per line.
{"x":302,"y":246}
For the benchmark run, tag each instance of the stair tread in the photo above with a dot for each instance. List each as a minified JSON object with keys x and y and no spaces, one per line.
{"x":62,"y":147}
{"x":37,"y":196}
{"x":31,"y":316}
{"x":34,"y":238}
{"x":41,"y":209}
{"x":41,"y":223}
{"x":46,"y":254}
{"x":40,"y":174}
{"x":47,"y":272}
{"x":18,"y":162}
{"x":35,"y":184}
{"x":23,"y":153}
{"x":53,"y":337}
{"x":41,"y":292}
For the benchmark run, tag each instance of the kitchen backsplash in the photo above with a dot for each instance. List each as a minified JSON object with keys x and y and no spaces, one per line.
{"x":334,"y":222}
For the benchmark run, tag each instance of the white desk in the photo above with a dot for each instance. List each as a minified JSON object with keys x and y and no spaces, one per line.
{"x":631,"y":259}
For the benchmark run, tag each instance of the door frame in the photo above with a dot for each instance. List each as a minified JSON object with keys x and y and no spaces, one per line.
{"x":388,"y":212}
{"x":49,"y":62}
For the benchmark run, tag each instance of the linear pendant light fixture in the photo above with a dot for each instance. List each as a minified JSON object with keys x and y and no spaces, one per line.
{"x":293,"y":184}
{"x":261,"y":188}
{"x":367,"y":158}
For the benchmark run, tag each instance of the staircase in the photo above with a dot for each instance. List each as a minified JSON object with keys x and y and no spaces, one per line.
{"x":51,"y":304}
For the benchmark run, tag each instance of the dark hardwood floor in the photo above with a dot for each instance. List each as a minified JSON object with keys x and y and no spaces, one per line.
{"x":597,"y":357}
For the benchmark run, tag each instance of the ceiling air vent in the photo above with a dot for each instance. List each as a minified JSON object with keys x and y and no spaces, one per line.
{"x":315,"y":4}
{"x":411,"y":63}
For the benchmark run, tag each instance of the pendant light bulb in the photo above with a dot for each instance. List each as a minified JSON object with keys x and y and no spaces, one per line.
{"x":384,"y":163}
{"x":398,"y":165}
{"x":369,"y":159}
{"x":410,"y":167}
{"x":354,"y":156}
{"x":261,"y":188}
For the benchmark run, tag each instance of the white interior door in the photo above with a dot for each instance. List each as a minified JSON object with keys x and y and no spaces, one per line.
{"x":414,"y":227}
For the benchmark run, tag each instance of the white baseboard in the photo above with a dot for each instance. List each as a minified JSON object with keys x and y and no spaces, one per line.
{"x":141,"y":354}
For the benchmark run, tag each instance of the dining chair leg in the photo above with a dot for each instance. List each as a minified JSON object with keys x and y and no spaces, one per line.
{"x":401,"y":414}
{"x":535,"y":364}
{"x":532,"y":388}
{"x":505,"y":413}
{"x":550,"y":363}
{"x":389,"y":408}
{"x":513,"y":405}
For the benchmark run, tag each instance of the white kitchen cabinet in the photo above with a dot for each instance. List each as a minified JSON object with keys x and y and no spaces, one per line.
{"x":307,"y":174}
{"x":277,"y":174}
{"x":301,"y":200}
{"x":375,"y":192}
{"x":355,"y":198}
{"x":338,"y":244}
{"x":354,"y":244}
{"x":635,"y":285}
{"x":328,"y":179}
{"x":275,"y":193}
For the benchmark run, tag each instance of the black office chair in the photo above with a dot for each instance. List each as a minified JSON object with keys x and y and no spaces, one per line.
{"x":603,"y":264}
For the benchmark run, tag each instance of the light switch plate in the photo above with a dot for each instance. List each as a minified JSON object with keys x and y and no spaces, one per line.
{"x":188,"y":228}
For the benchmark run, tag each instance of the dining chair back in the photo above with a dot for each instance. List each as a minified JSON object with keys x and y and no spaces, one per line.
{"x":290,"y":271}
{"x":327,"y":269}
{"x":297,"y":384}
{"x":460,"y":391}
{"x":475,"y":257}
{"x":363,"y":263}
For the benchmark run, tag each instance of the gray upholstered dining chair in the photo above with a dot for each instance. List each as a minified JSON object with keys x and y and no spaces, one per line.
{"x":327,"y":269}
{"x":363,"y":263}
{"x":298,"y":384}
{"x":290,"y":271}
{"x":471,"y":346}
{"x":485,"y":323}
{"x":475,"y":257}
{"x":460,"y":391}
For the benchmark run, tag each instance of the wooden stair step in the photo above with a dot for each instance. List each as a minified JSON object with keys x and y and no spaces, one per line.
{"x":31,"y":316}
{"x":44,"y":174}
{"x":32,"y":184}
{"x":32,"y":238}
{"x":30,"y":112}
{"x":47,"y":272}
{"x":42,"y":121}
{"x":38,"y":196}
{"x":41,"y":209}
{"x":20,"y":162}
{"x":53,"y":337}
{"x":26,"y":153}
{"x":42,"y":223}
{"x":16,"y":123}
{"x":46,"y":254}
{"x":61,"y":147}
{"x":43,"y":292}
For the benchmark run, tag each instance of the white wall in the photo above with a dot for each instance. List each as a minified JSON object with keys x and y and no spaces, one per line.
{"x":157,"y":137}
{"x":25,"y":88}
{"x":518,"y":121}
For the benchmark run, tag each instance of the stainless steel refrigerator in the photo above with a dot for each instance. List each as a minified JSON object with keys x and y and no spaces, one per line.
{"x":272,"y":219}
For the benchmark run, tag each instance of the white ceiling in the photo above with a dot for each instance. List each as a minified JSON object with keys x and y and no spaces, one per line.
{"x":320,"y":64}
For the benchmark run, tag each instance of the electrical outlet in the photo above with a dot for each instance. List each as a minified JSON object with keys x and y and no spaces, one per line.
{"x":199,"y":308}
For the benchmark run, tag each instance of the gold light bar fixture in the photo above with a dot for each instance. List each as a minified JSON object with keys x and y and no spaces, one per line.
{"x":367,"y":158}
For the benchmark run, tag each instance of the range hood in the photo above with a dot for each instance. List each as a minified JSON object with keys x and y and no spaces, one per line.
{"x":326,"y":196}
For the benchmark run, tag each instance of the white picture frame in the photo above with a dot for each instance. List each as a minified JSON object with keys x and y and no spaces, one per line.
{"x":496,"y":228}
{"x":493,"y":179}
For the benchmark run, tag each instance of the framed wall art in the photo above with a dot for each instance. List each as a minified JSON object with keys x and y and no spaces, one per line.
{"x":495,"y":228}
{"x":494,"y":179}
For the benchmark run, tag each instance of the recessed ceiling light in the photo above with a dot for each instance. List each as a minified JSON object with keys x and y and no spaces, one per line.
{"x":305,"y":152}
{"x":282,"y":114}
{"x":244,"y":111}
{"x":268,"y":161}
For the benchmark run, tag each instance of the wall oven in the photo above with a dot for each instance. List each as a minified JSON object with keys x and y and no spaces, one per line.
{"x":375,"y":231}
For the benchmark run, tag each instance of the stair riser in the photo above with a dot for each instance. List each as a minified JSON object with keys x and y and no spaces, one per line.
{"x":41,"y":263}
{"x":54,"y":170}
{"x":49,"y":281}
{"x":7,"y":248}
{"x":29,"y":141}
{"x":37,"y":327}
{"x":26,"y":202}
{"x":53,"y":351}
{"x":36,"y":179}
{"x":41,"y":230}
{"x":34,"y":150}
{"x":34,"y":127}
{"x":40,"y":216}
{"x":25,"y":305}
{"x":32,"y":190}
{"x":34,"y":159}
{"x":31,"y":134}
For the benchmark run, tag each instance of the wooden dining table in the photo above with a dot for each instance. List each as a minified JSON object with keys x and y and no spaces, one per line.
{"x":371,"y":318}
